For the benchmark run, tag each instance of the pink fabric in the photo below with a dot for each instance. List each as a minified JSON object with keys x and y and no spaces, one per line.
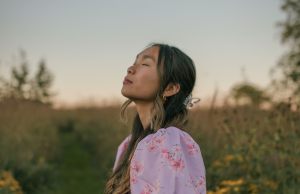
{"x":168,"y":161}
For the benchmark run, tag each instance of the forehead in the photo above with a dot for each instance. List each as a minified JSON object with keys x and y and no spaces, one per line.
{"x":150,"y":53}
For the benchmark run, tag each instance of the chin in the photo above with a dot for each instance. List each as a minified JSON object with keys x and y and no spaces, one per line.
{"x":129,"y":96}
{"x":125,"y":94}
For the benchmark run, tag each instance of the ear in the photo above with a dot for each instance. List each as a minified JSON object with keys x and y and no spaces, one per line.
{"x":171,"y":89}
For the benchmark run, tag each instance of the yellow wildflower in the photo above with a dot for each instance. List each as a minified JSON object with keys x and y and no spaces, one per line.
{"x":2,"y":183}
{"x":228,"y":158}
{"x":222,"y":190}
{"x":233,"y":182}
{"x":8,"y":181}
{"x":236,"y":189}
{"x":253,"y":188}
{"x":271,"y":184}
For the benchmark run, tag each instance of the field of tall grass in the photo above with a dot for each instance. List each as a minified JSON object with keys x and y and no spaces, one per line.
{"x":245,"y":149}
{"x":28,"y":146}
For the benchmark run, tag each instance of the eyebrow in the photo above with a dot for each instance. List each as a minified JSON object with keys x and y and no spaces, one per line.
{"x":147,"y":56}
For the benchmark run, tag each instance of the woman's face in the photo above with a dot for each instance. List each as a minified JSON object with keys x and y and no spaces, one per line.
{"x":142,"y":80}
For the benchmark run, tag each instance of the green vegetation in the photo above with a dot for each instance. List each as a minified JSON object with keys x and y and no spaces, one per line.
{"x":245,"y":149}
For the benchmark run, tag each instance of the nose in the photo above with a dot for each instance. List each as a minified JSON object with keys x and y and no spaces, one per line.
{"x":130,"y":70}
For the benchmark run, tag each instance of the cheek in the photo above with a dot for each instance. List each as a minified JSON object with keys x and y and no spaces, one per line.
{"x":150,"y":77}
{"x":149,"y":82}
{"x":145,"y":85}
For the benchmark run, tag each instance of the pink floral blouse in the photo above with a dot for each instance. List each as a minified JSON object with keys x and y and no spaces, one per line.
{"x":168,"y":161}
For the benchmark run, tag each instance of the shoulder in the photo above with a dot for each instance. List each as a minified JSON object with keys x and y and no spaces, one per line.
{"x":124,"y":144}
{"x":176,"y":135}
{"x":173,"y":133}
{"x":168,"y":159}
{"x":121,"y":149}
{"x":170,"y":138}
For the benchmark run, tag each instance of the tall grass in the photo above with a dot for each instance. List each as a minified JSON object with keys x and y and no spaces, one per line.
{"x":245,"y":149}
{"x":28,"y":144}
{"x":248,"y":150}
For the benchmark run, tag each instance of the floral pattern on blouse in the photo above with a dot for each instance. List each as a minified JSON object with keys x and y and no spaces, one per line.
{"x":168,"y":161}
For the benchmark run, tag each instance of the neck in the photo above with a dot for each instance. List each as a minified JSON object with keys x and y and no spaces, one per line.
{"x":144,"y":111}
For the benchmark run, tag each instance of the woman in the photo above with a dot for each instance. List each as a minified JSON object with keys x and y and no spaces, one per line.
{"x":159,"y":156}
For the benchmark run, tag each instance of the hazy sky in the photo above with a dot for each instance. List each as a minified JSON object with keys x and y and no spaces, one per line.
{"x":88,"y":45}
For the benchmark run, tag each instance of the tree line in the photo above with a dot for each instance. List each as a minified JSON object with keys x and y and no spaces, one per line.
{"x":22,"y":86}
{"x":38,"y":88}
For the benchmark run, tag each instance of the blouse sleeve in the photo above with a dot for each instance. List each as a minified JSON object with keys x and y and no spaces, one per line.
{"x":166,"y":162}
{"x":121,"y":149}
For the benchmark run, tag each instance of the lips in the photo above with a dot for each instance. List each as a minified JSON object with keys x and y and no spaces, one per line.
{"x":127,"y":81}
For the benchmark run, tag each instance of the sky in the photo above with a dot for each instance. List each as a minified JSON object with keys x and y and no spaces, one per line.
{"x":88,"y":45}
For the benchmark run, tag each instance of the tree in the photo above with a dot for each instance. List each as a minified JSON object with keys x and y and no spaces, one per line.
{"x":248,"y":93}
{"x":289,"y":63}
{"x":1,"y":86}
{"x":42,"y":83}
{"x":20,"y":80}
{"x":23,"y":87}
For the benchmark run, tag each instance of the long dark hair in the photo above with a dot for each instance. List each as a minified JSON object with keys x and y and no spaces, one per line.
{"x":173,"y":66}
